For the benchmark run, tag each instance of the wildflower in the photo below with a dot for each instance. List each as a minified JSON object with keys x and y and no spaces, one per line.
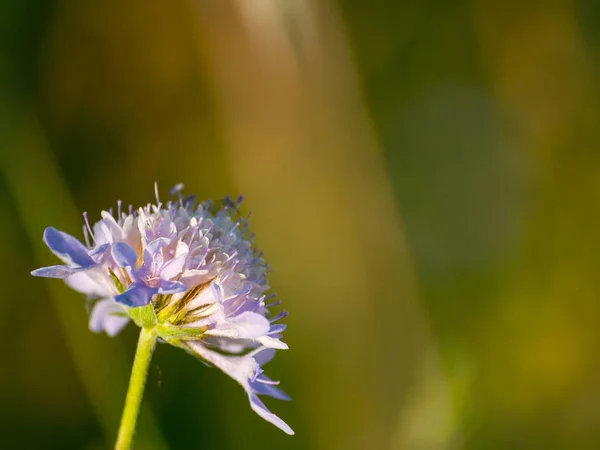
{"x":190,"y":274}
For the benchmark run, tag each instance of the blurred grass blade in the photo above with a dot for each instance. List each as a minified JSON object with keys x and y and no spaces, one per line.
{"x":301,"y":147}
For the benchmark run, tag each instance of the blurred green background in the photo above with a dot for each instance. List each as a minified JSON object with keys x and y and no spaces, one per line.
{"x":423,"y":176}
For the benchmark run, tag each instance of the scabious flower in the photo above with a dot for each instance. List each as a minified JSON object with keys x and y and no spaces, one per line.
{"x":198,"y":269}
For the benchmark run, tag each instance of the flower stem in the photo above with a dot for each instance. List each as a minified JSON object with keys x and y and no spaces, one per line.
{"x":137,"y":382}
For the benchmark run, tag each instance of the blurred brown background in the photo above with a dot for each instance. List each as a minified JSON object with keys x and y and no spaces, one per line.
{"x":423,"y":176}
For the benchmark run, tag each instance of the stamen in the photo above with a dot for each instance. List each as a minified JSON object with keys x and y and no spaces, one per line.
{"x":265,"y":381}
{"x":233,"y":255}
{"x":86,"y":236}
{"x":237,"y":224}
{"x":279,"y":316}
{"x":156,"y":192}
{"x":237,"y":305}
{"x":177,"y":189}
{"x":87,"y":224}
{"x":194,"y":231}
{"x":203,"y":260}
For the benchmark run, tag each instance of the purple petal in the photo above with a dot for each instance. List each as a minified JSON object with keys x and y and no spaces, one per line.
{"x":171,"y":287}
{"x":137,"y":294}
{"x":124,"y":255}
{"x":107,"y":316}
{"x":67,"y":248}
{"x":56,"y":271}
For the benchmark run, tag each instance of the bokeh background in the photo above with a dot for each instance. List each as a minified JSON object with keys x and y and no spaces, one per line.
{"x":423,"y":176}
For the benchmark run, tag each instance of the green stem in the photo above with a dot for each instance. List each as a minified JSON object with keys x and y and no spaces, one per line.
{"x":139,"y":373}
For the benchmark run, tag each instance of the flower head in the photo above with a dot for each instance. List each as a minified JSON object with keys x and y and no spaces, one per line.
{"x":192,"y":272}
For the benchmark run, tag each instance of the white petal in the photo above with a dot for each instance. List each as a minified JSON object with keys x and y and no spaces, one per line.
{"x":173,"y":268}
{"x":194,"y":277}
{"x":270,"y":342}
{"x":229,"y":346}
{"x":100,"y":233}
{"x":181,"y":249}
{"x":104,"y":280}
{"x":251,"y":325}
{"x":209,"y":294}
{"x":107,"y":316}
{"x":210,"y":316}
{"x":240,"y":368}
{"x":247,"y":325}
{"x":82,"y":282}
{"x":110,"y":222}
{"x":128,"y":224}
